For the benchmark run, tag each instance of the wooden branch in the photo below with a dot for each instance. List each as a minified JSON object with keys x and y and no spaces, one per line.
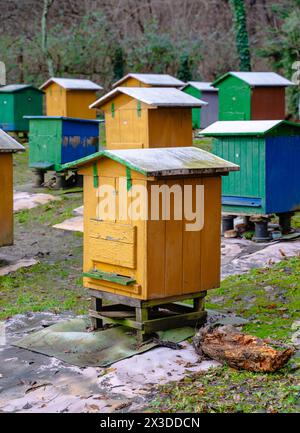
{"x":240,"y":351}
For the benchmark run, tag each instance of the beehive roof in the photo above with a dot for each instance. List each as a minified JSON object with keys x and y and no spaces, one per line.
{"x":164,"y":162}
{"x":12,"y":88}
{"x":258,"y":79}
{"x":164,"y":80}
{"x":154,"y":96}
{"x":72,"y":84}
{"x":9,"y":144}
{"x":245,"y":127}
{"x":201,"y":85}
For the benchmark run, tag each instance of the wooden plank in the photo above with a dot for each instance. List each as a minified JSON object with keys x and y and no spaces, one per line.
{"x":96,"y":305}
{"x":191,"y":260}
{"x":177,"y":321}
{"x":107,"y":276}
{"x":112,"y":297}
{"x":174,"y":239}
{"x":123,"y":322}
{"x":6,"y":203}
{"x":156,"y":249}
{"x":112,"y":231}
{"x":154,"y":302}
{"x":115,"y":253}
{"x":211,"y":235}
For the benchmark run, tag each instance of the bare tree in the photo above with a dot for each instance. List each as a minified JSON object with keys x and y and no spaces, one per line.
{"x":46,"y":8}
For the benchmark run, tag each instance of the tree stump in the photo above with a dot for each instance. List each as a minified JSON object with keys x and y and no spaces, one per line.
{"x":241,"y":351}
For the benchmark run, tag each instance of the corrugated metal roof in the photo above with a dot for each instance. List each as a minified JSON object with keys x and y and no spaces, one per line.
{"x":201,"y":85}
{"x":9,"y":144}
{"x":163,"y":161}
{"x":164,"y":80}
{"x":154,"y":96}
{"x":72,"y":84}
{"x":244,"y":127}
{"x":259,"y":79}
{"x":11,"y":88}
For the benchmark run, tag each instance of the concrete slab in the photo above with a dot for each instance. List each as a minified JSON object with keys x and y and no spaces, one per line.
{"x":14,"y":266}
{"x":27,"y":200}
{"x":74,"y":224}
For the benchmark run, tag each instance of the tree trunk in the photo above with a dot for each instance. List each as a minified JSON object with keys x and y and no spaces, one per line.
{"x":241,"y":351}
{"x":46,"y":8}
{"x":241,"y":34}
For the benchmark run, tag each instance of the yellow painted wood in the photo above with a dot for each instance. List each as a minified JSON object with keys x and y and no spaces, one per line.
{"x":161,"y":256}
{"x":6,"y":200}
{"x":133,"y":82}
{"x":151,"y":127}
{"x":69,"y":103}
{"x":55,"y":100}
{"x":170,"y":127}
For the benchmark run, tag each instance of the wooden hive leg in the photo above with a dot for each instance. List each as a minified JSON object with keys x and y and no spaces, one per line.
{"x":199,"y":303}
{"x":96,"y":305}
{"x":141,"y":314}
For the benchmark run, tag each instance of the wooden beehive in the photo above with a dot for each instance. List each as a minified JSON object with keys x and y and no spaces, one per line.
{"x":252,"y":96}
{"x":210,"y":113}
{"x":147,"y":117}
{"x":17,"y":101}
{"x":69,"y":97}
{"x":8,"y":146}
{"x":268,"y":153}
{"x":148,"y":80}
{"x":147,"y":258}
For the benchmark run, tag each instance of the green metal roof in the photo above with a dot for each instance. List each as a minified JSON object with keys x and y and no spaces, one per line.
{"x":168,"y":161}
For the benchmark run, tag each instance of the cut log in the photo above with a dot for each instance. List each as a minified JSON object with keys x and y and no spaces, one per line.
{"x":241,"y":351}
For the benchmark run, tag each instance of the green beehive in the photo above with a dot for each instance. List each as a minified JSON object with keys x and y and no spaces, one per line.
{"x":268,"y":153}
{"x":17,"y":101}
{"x":251,"y":96}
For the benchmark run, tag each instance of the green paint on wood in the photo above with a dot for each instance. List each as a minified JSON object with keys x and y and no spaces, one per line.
{"x":249,"y":154}
{"x":234,"y":99}
{"x":196,"y":112}
{"x":15,"y":105}
{"x":129,"y":180}
{"x":95,"y":174}
{"x":45,"y":142}
{"x":139,"y":108}
{"x":113,"y":110}
{"x":108,"y":276}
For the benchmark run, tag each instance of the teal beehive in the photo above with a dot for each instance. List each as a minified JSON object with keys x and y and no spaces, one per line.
{"x":17,"y":101}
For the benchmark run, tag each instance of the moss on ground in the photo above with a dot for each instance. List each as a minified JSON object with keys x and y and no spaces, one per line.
{"x":203,"y":143}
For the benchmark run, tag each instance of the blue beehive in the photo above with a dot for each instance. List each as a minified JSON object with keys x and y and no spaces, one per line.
{"x":54,"y":141}
{"x":268,"y":153}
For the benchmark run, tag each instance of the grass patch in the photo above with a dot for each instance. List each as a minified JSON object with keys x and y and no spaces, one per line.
{"x":225,"y":390}
{"x":56,"y":287}
{"x":270,"y":300}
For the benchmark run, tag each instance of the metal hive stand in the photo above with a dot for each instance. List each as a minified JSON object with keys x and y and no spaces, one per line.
{"x":146,"y":317}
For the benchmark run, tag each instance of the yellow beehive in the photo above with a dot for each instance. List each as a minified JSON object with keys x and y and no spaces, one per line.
{"x":151,"y":257}
{"x":7,"y":147}
{"x":149,"y":80}
{"x":70,"y":97}
{"x":137,"y":117}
